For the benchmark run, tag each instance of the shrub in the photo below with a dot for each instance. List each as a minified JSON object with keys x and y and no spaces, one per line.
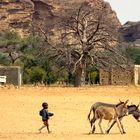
{"x":93,"y":77}
{"x":50,"y":78}
{"x":37,"y":75}
{"x":134,"y":54}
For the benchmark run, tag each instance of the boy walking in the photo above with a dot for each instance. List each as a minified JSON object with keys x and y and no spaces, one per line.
{"x":45,"y":116}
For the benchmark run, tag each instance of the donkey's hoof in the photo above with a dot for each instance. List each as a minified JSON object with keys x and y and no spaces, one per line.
{"x":107,"y":131}
{"x":123,"y":132}
{"x":102,"y":133}
{"x":90,"y":133}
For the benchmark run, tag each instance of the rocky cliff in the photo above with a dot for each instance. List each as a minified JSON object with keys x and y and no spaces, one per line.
{"x":130,"y":33}
{"x":15,"y":16}
{"x":22,"y":15}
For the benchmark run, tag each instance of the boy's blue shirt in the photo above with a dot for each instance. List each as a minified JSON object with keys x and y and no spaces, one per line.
{"x":45,"y":114}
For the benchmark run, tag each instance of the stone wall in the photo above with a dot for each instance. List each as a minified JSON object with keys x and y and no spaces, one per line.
{"x":119,"y":76}
{"x":104,"y":77}
{"x":13,"y":74}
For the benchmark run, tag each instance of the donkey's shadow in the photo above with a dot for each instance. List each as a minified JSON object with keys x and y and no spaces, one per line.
{"x":99,"y":134}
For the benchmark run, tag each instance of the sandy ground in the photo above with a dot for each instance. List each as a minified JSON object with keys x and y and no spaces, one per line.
{"x":20,"y":120}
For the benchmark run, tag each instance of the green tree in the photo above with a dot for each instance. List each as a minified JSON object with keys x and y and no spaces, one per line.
{"x":50,"y":68}
{"x":134,"y":54}
{"x":92,"y":76}
{"x":4,"y":60}
{"x":9,"y":45}
{"x":37,"y":75}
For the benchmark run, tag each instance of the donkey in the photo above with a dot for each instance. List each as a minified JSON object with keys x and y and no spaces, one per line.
{"x":132,"y":109}
{"x":95,"y":106}
{"x":108,"y":112}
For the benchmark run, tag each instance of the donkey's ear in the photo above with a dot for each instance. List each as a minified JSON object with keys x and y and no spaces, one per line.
{"x":126,"y":101}
{"x":120,"y":101}
{"x":138,"y":105}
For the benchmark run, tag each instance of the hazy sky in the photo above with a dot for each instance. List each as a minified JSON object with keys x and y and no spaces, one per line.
{"x":127,"y":10}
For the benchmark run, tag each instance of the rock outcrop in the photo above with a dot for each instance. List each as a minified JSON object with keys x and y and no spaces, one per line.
{"x":16,"y":16}
{"x":22,"y":15}
{"x":130,"y":33}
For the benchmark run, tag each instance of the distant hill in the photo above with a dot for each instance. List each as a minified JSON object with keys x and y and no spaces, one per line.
{"x":130,"y":33}
{"x":22,"y":15}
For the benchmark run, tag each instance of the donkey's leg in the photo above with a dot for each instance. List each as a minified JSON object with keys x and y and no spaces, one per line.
{"x":137,"y":117}
{"x":100,"y":121}
{"x":122,"y":127}
{"x":92,"y":122}
{"x":110,"y":126}
{"x":119,"y":125}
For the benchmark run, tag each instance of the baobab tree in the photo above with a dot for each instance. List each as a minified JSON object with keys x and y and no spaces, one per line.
{"x":91,"y":36}
{"x":88,"y":36}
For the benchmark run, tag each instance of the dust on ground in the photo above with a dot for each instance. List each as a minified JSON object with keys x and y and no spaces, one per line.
{"x":20,"y":120}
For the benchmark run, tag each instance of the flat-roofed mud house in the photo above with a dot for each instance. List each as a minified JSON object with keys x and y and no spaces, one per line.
{"x":13,"y":74}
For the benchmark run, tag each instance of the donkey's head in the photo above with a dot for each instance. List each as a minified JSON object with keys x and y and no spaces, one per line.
{"x":132,"y":108}
{"x":122,"y":108}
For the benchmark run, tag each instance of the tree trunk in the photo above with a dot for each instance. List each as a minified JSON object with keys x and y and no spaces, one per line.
{"x":79,"y":76}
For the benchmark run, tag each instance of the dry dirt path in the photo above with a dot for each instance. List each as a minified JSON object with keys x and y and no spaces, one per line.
{"x":19,"y":118}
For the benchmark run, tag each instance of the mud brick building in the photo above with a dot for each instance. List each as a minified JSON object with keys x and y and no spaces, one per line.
{"x":137,"y":74}
{"x":120,"y":76}
{"x":13,"y":74}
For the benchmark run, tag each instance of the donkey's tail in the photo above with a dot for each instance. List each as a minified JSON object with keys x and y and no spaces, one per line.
{"x":91,"y":109}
